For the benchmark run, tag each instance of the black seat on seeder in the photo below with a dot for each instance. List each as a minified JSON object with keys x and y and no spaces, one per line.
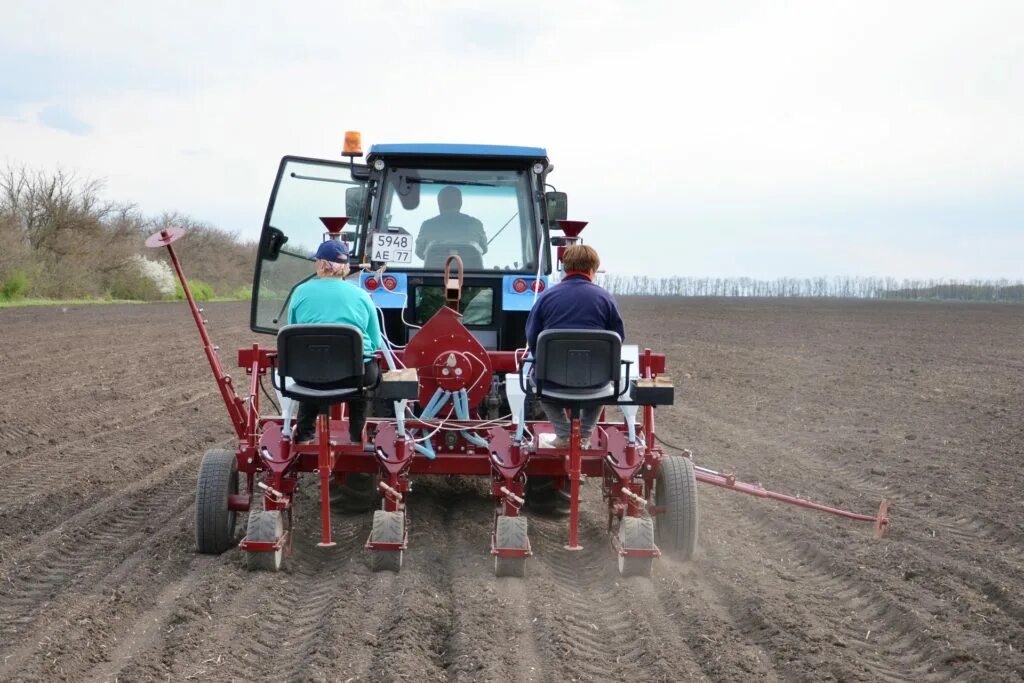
{"x":578,"y":367}
{"x":323,"y":362}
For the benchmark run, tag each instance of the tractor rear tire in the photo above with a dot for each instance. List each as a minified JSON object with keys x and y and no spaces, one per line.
{"x":359,"y":493}
{"x":511,"y":532}
{"x":388,"y":527}
{"x":676,"y":492}
{"x":215,"y":522}
{"x":637,"y":533}
{"x":265,"y":527}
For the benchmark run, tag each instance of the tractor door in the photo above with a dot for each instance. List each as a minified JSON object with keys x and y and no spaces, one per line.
{"x":310,"y":198}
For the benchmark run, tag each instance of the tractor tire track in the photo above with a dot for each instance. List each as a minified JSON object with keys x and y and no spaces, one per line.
{"x":968,"y":530}
{"x":291,"y":621}
{"x":901,"y":648}
{"x":698,"y":612}
{"x":600,"y":628}
{"x":890,"y":641}
{"x":984,"y":581}
{"x":22,"y":484}
{"x":776,"y":594}
{"x":413,"y":639}
{"x":95,"y":555}
{"x":493,"y":637}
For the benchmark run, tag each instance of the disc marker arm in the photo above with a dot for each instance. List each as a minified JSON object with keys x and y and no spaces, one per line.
{"x":729,"y":481}
{"x":234,"y":405}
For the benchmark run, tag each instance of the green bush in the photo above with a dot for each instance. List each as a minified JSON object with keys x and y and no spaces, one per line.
{"x":200,"y":290}
{"x":130,"y":285}
{"x":14,"y":286}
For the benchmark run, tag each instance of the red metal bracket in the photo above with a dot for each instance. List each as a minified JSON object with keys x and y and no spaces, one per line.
{"x":575,"y":470}
{"x":381,"y":545}
{"x":452,"y":285}
{"x":882,"y":520}
{"x":264,"y":546}
{"x":633,"y":552}
{"x":325,"y":464}
{"x":511,"y":552}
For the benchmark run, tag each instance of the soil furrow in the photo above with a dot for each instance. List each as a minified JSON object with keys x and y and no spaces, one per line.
{"x":845,"y":402}
{"x":599,"y":625}
{"x":53,"y":599}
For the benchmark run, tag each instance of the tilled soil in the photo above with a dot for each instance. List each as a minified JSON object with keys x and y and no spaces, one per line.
{"x":108,"y":410}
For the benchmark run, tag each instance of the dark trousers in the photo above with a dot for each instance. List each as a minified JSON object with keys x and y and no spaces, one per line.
{"x":305,"y":422}
{"x":560,"y":421}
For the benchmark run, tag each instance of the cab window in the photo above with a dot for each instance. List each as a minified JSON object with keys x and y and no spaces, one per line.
{"x":308,"y":195}
{"x":430,"y":214}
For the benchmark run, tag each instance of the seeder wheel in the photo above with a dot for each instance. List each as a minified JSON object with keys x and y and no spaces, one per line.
{"x":676,"y":493}
{"x":637,"y":533}
{"x":265,"y":527}
{"x":388,"y":527}
{"x":511,"y":532}
{"x":215,"y":523}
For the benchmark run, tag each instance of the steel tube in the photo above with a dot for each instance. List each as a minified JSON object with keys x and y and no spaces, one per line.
{"x":761,"y":492}
{"x":575,"y":469}
{"x":324,"y":463}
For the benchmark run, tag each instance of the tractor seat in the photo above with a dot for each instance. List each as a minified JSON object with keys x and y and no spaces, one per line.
{"x":565,"y":395}
{"x":438,"y":252}
{"x":578,"y":367}
{"x":319,"y":362}
{"x":297,"y":391}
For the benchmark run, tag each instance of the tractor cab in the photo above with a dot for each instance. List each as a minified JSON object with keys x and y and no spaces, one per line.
{"x":403,"y":214}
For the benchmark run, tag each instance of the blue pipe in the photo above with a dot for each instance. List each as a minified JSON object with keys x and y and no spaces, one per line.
{"x":430,"y":409}
{"x":462,"y":412}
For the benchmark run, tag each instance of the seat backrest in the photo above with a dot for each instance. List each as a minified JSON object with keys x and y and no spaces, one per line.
{"x":320,"y":356}
{"x":578,"y":359}
{"x":438,"y":253}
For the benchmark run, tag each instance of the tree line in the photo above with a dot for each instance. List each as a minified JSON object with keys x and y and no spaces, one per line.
{"x":60,"y":238}
{"x":840,"y":287}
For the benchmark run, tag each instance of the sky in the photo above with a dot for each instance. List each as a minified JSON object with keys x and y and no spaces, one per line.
{"x":757,"y":139}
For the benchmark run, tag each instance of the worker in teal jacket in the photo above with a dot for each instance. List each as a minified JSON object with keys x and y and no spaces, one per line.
{"x":329,"y":300}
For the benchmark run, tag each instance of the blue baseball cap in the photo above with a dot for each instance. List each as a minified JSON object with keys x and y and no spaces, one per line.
{"x":333,"y":251}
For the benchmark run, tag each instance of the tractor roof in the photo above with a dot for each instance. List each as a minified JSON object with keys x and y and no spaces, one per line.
{"x":441,"y":149}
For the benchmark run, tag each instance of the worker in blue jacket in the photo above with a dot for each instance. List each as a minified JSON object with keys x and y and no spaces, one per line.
{"x":329,"y":300}
{"x":575,"y":303}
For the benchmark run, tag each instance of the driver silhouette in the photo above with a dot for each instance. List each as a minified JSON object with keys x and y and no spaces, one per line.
{"x":451,"y":228}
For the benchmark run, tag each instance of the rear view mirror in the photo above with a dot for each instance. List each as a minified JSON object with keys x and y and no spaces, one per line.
{"x":273,"y":240}
{"x":558,"y":206}
{"x":355,"y":199}
{"x":407,"y":185}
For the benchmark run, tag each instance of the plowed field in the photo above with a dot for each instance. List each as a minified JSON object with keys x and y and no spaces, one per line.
{"x":107,"y":410}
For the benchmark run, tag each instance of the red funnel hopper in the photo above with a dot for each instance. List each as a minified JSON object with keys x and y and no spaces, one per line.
{"x":572,"y":228}
{"x":334,"y":225}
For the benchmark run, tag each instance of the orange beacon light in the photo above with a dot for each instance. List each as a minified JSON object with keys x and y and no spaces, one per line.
{"x":353,"y":144}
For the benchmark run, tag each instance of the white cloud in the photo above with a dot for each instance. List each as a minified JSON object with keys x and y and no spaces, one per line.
{"x":733,"y":140}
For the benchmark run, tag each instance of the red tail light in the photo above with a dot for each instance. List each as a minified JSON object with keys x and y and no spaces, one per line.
{"x":371,"y":283}
{"x":390,"y":283}
{"x":519,"y":285}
